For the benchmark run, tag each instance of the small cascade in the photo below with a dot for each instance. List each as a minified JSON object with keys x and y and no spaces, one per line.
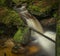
{"x":32,"y":22}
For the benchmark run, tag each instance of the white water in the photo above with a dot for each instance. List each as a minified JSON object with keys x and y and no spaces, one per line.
{"x":46,"y":44}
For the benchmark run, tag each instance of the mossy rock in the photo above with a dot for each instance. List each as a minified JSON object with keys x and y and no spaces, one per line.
{"x":8,"y":16}
{"x":41,"y":7}
{"x":36,"y":7}
{"x":22,"y":36}
{"x":11,"y":21}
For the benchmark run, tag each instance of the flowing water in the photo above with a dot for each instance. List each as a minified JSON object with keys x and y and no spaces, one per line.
{"x":46,"y":44}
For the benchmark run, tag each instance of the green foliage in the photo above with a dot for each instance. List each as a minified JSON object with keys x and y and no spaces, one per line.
{"x":9,"y":16}
{"x":36,"y":7}
{"x":19,"y":1}
{"x":11,"y":20}
{"x":36,"y":10}
{"x":19,"y":35}
{"x":2,"y":2}
{"x":40,"y":7}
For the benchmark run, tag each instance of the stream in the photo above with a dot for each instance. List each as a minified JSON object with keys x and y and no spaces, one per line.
{"x":32,"y":22}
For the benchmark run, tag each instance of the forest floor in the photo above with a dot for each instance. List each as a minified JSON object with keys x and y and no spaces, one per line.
{"x":9,"y":44}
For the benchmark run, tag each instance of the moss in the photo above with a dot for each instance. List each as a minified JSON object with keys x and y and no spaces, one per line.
{"x":20,"y":1}
{"x":11,"y":21}
{"x":9,"y":16}
{"x":41,"y":7}
{"x":58,"y":36}
{"x":19,"y":35}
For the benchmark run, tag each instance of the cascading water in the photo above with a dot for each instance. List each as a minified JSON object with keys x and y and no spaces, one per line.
{"x":46,"y":44}
{"x":32,"y":22}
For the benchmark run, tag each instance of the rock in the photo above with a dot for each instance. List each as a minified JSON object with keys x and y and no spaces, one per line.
{"x":41,"y":8}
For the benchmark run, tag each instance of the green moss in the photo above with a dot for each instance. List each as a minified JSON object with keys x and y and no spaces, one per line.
{"x":19,"y":35}
{"x":41,"y":7}
{"x":9,"y":16}
{"x":10,"y":19}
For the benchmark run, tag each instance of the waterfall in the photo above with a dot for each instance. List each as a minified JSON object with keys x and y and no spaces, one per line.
{"x":32,"y":22}
{"x":46,"y":44}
